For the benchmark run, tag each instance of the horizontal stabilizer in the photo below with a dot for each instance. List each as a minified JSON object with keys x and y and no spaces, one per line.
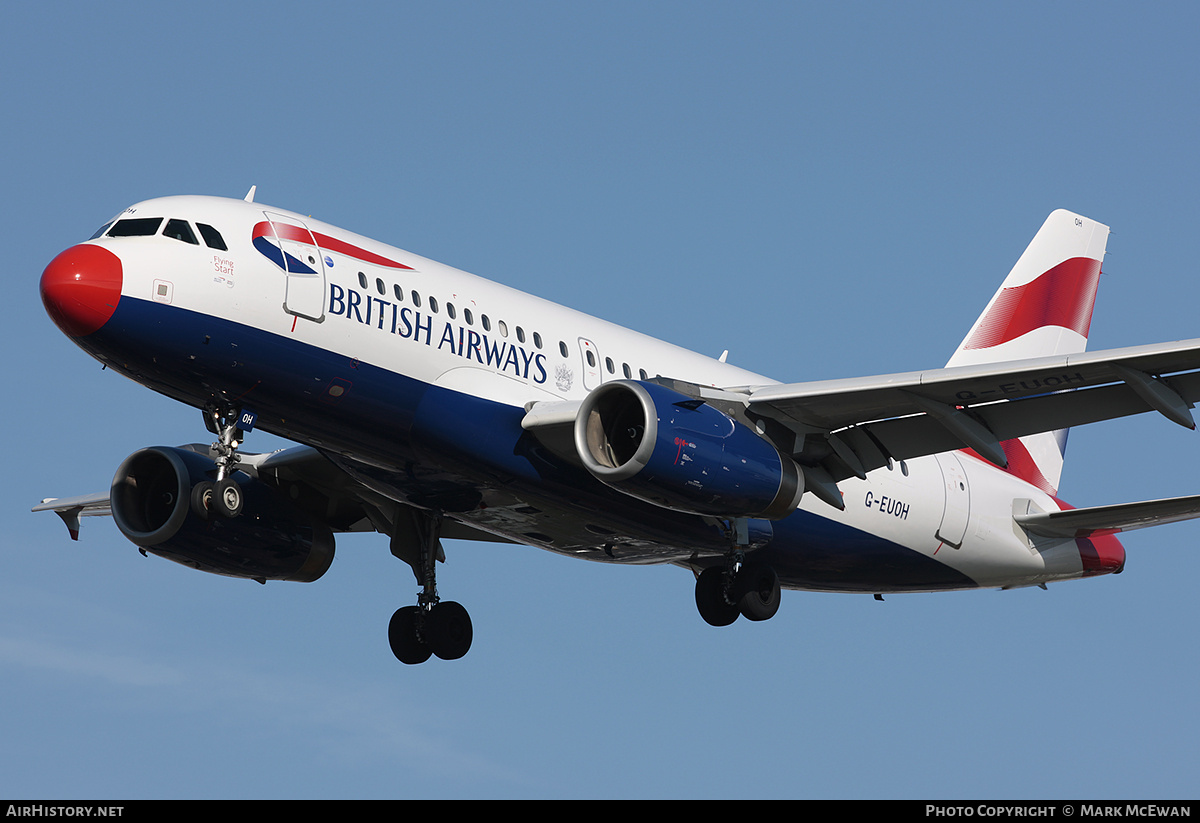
{"x":1122,"y":517}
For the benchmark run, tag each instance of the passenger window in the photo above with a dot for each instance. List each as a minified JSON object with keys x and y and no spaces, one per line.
{"x":562,"y":348}
{"x":642,"y":374}
{"x":537,"y":340}
{"x":487,"y":324}
{"x":468,"y":317}
{"x":520,"y":335}
{"x":212,"y":237}
{"x":135,"y":227}
{"x":362,"y":280}
{"x":379,"y":287}
{"x":450,"y":310}
{"x":433,"y":305}
{"x":399,"y":292}
{"x":503,"y":327}
{"x":591,"y":358}
{"x":625,"y":368}
{"x":180,"y":230}
{"x":416,"y":299}
{"x":608,"y":364}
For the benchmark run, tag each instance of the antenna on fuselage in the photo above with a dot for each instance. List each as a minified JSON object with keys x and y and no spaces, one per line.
{"x":249,"y":198}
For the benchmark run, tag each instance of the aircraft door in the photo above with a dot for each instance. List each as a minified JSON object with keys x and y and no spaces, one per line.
{"x":592,"y":375}
{"x":957,"y":500}
{"x":305,"y":290}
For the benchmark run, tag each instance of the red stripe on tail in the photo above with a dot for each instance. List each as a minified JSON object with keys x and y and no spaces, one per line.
{"x":1062,"y":296}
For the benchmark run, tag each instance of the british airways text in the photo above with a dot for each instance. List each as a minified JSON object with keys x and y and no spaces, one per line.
{"x":411,"y":324}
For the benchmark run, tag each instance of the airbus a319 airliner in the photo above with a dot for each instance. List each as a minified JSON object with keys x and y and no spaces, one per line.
{"x":430,"y":403}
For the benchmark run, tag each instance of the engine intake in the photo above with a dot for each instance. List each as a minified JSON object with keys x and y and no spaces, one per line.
{"x":270,"y":540}
{"x":678,"y":452}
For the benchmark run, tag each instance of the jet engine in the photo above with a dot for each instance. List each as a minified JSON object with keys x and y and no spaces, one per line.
{"x":153,"y":505}
{"x":679,"y":452}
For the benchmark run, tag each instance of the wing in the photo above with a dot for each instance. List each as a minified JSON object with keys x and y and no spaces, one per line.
{"x":70,"y":509}
{"x":848,"y":427}
{"x":306,"y":475}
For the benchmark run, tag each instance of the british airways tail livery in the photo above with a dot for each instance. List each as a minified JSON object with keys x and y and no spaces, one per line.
{"x":434,"y":404}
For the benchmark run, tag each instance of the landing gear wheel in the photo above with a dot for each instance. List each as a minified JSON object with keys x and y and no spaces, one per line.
{"x":402,"y":635}
{"x":201,"y":500}
{"x":227,"y":498}
{"x":433,"y":626}
{"x":710,"y":598}
{"x":448,"y":630}
{"x":756,"y":591}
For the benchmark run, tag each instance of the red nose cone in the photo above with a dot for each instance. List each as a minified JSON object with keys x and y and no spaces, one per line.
{"x":80,"y":289}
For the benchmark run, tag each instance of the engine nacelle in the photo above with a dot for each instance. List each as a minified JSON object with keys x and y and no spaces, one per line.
{"x":678,"y":452}
{"x":270,"y":540}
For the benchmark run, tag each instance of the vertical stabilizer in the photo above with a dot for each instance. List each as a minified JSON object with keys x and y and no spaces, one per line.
{"x":1044,"y":307}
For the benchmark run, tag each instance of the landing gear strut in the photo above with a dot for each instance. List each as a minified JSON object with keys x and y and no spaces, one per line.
{"x":737,"y":587}
{"x":432,"y":627}
{"x":222,"y":496}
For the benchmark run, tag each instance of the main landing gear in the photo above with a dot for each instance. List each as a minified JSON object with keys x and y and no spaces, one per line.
{"x":432,"y":627}
{"x":737,"y":587}
{"x":223,"y":496}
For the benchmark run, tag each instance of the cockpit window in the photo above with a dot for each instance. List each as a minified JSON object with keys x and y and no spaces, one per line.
{"x":135,"y":227}
{"x":100,"y":231}
{"x":180,"y":230}
{"x":212,"y":237}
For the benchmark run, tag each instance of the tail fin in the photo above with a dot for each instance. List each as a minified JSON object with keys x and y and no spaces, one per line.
{"x":1044,"y":307}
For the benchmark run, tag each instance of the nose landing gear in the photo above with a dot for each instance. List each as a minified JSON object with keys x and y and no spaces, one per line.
{"x":223,"y":496}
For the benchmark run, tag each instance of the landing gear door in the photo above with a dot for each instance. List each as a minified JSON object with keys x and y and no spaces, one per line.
{"x":305,"y":290}
{"x":958,"y":501}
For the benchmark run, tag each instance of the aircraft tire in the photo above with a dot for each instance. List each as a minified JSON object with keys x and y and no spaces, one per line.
{"x":201,"y":500}
{"x":227,"y":499}
{"x":402,"y":636}
{"x":448,"y":630}
{"x":710,"y":598}
{"x":756,"y":591}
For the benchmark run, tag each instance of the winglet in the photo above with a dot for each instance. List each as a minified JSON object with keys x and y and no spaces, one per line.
{"x":71,"y":518}
{"x":70,"y":509}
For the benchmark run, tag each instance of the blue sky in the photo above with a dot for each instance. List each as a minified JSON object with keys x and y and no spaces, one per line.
{"x":826,"y":190}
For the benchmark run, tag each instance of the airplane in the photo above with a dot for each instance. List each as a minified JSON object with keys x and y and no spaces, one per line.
{"x":431,"y":404}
